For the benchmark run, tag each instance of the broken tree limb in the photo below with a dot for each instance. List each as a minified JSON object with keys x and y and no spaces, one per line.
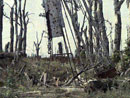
{"x":82,"y":71}
{"x":21,"y":70}
{"x":9,"y":18}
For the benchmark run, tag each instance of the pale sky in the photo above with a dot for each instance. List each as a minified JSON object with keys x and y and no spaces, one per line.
{"x":39,"y":24}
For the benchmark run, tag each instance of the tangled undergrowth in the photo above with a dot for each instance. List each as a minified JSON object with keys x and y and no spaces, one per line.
{"x":25,"y":78}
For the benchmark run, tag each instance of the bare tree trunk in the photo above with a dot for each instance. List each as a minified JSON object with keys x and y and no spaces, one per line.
{"x":25,"y":29}
{"x":74,"y":20}
{"x":90,"y":29}
{"x":76,"y":27}
{"x":25,"y":37}
{"x":129,"y":21}
{"x":96,"y":22}
{"x":118,"y":24}
{"x":128,"y":28}
{"x":21,"y":27}
{"x":11,"y":30}
{"x":38,"y":43}
{"x":102,"y":27}
{"x":86,"y":40}
{"x":1,"y":23}
{"x":75,"y":23}
{"x":16,"y":24}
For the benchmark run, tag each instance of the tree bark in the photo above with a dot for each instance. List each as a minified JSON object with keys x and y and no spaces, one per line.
{"x":11,"y":30}
{"x":118,"y":24}
{"x":1,"y":23}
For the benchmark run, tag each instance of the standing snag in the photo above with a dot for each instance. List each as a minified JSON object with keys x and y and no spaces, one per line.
{"x":38,"y":43}
{"x":11,"y":30}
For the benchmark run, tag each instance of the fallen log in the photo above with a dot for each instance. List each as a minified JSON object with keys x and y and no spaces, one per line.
{"x":11,"y":55}
{"x":7,"y":55}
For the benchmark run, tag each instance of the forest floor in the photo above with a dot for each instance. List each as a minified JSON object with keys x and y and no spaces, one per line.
{"x":24,"y":80}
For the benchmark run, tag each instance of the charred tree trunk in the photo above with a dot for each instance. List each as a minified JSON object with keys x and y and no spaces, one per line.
{"x":25,"y":29}
{"x":11,"y":30}
{"x":21,"y":27}
{"x":16,"y":24}
{"x":25,"y":37}
{"x":118,"y":24}
{"x":102,"y":27}
{"x":1,"y":23}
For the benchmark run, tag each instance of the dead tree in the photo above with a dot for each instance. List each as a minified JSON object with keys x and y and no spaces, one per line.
{"x":11,"y":30}
{"x":96,"y":22}
{"x":16,"y":23}
{"x":90,"y":29}
{"x":38,"y":43}
{"x":23,"y":17}
{"x":98,"y":25}
{"x":102,"y":27}
{"x":74,"y":19}
{"x":21,"y":27}
{"x":25,"y":23}
{"x":118,"y":24}
{"x":1,"y":23}
{"x":84,"y":30}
